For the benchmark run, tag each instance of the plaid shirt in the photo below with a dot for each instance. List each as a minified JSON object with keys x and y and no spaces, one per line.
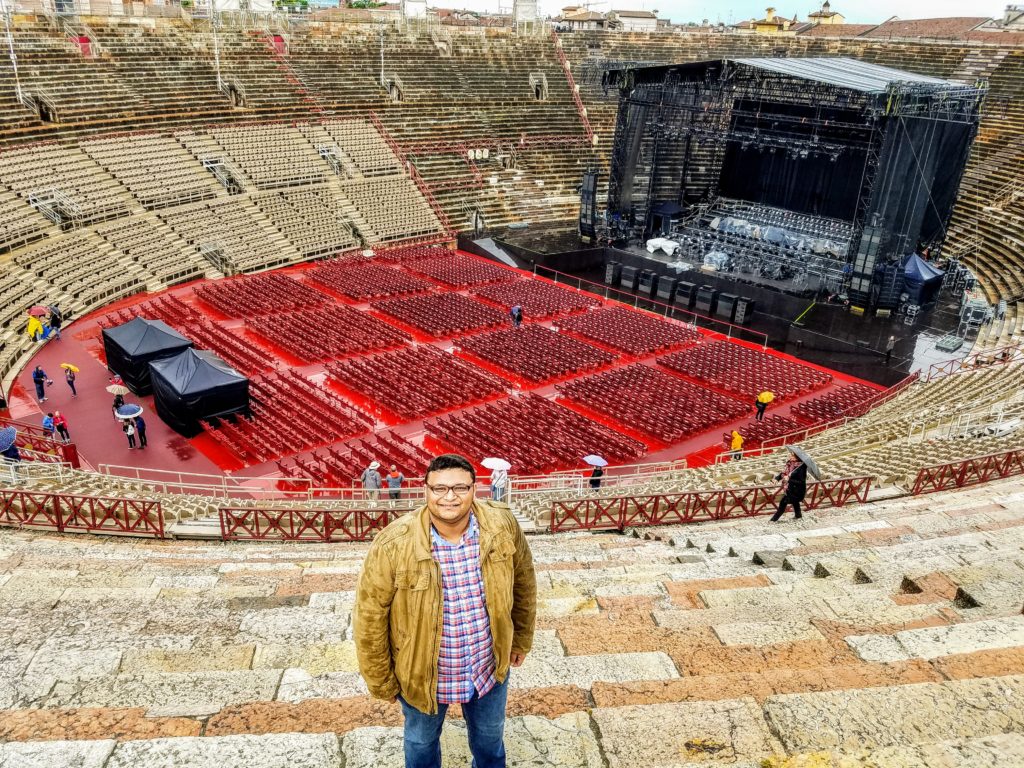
{"x":466,"y":663}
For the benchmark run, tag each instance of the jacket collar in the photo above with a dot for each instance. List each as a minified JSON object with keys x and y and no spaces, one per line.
{"x":421,"y":530}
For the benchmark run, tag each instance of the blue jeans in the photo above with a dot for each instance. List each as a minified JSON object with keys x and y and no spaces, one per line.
{"x":485,"y":723}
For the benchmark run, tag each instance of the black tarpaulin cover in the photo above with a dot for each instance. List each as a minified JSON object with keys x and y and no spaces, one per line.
{"x":131,"y":347}
{"x":923,"y":281}
{"x":196,"y":385}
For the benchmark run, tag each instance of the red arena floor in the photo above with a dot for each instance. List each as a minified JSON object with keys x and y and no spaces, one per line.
{"x":413,"y":352}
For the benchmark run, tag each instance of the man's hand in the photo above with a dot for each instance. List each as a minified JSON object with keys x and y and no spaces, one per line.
{"x":516,"y":659}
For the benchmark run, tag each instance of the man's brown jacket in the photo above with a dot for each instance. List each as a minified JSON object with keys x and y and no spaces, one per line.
{"x":398,"y":611}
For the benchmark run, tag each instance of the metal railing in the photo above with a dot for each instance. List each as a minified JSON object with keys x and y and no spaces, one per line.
{"x":973,"y":471}
{"x":1012,"y":353}
{"x":86,"y":514}
{"x":242,"y":524}
{"x":620,"y":512}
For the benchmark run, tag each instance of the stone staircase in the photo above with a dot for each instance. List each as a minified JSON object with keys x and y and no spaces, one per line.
{"x":889,"y":633}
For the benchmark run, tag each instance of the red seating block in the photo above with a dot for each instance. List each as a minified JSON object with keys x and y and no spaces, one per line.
{"x":262,"y":294}
{"x":442,"y":314}
{"x":628,"y":330}
{"x":537,"y":298}
{"x":327,"y":332}
{"x":535,"y":353}
{"x":367,"y":280}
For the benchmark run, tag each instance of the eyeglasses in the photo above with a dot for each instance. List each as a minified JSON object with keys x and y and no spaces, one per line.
{"x":442,"y":490}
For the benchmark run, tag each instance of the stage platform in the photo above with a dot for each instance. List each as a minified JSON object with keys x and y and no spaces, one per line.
{"x":101,"y":442}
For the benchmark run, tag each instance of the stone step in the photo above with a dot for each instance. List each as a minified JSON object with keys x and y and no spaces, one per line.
{"x":933,"y":642}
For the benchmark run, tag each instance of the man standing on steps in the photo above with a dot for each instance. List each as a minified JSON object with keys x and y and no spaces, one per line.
{"x":445,"y":606}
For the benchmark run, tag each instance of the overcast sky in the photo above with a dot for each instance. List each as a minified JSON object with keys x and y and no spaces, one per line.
{"x":859,"y":12}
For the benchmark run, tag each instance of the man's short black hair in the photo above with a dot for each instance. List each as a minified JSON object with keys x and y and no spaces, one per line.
{"x":450,"y":461}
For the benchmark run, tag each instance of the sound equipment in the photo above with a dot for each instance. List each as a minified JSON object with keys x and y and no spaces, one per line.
{"x":686,"y":294}
{"x":726,"y":305}
{"x":612,"y":273}
{"x":630,"y":278}
{"x":648,"y":282}
{"x":588,"y":205}
{"x":744,"y":310}
{"x":707,"y":297}
{"x":667,"y":287}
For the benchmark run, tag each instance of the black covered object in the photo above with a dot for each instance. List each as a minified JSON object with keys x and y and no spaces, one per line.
{"x":131,"y":347}
{"x":196,"y":385}
{"x":922,"y":281}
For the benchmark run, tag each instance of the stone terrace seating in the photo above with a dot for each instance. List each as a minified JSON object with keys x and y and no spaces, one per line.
{"x":534,"y":353}
{"x":19,"y":290}
{"x":84,"y":269}
{"x":417,"y":381}
{"x":327,"y":332}
{"x":536,"y":435}
{"x":745,"y":371}
{"x":632,"y":332}
{"x":259,"y":295}
{"x":364,"y":151}
{"x":391,"y":208}
{"x":20,"y":224}
{"x":442,"y":314}
{"x":360,"y":280}
{"x":155,"y":248}
{"x":311,"y":219}
{"x":272,"y":155}
{"x":155,"y":167}
{"x":656,"y":403}
{"x":238,"y":232}
{"x":46,"y":168}
{"x":537,"y":298}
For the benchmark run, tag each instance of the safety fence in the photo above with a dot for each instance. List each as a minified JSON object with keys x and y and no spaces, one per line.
{"x":42,"y":447}
{"x":85,"y":514}
{"x":282,"y":524}
{"x":973,"y":471}
{"x":986,"y":358}
{"x":619,"y":512}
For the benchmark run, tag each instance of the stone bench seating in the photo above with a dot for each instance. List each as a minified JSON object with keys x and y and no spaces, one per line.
{"x":19,"y":290}
{"x":364,"y":147}
{"x":19,"y":223}
{"x":157,"y":250}
{"x":391,"y":207}
{"x":311,"y":220}
{"x":157,"y":170}
{"x":272,"y":155}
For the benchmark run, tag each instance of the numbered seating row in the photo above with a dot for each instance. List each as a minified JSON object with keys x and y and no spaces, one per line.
{"x":442,"y":314}
{"x":533,"y":434}
{"x":630,"y":331}
{"x":360,"y":280}
{"x":537,"y":298}
{"x":745,"y":371}
{"x":654,"y":402}
{"x":262,"y":294}
{"x":328,"y":332}
{"x":536,"y":354}
{"x":417,"y":381}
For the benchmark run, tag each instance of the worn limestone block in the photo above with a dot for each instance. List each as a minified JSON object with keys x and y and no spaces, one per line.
{"x":295,"y":750}
{"x":764,"y":633}
{"x":584,"y":671}
{"x":298,"y":685}
{"x":872,"y":718}
{"x":723,"y":732}
{"x":315,"y":658}
{"x":49,"y":754}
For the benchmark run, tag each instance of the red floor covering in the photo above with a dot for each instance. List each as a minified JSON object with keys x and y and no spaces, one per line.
{"x":100,"y":440}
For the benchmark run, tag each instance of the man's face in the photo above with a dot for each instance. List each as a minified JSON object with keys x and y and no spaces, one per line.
{"x":451,"y":507}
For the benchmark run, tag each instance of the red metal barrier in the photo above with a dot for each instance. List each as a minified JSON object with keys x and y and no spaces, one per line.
{"x":33,"y":438}
{"x":567,"y":69}
{"x":616,"y":513}
{"x":90,"y":514}
{"x":252,"y":524}
{"x":973,"y":471}
{"x":1012,"y":353}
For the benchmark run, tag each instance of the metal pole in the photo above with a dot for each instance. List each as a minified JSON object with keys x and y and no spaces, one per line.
{"x":216,"y":43}
{"x":382,"y":54}
{"x":10,"y":47}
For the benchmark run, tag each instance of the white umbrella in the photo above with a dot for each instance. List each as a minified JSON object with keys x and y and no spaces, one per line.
{"x":801,"y":454}
{"x":595,"y":461}
{"x":494,"y":463}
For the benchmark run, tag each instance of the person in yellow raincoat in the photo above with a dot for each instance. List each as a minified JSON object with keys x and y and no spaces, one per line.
{"x":34,"y":329}
{"x":736,"y":445}
{"x":761,"y":403}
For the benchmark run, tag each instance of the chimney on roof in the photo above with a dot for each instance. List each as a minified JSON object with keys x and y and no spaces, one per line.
{"x":825,"y":6}
{"x":769,"y":13}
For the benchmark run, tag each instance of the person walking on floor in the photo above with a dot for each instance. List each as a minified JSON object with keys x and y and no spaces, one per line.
{"x":48,"y":425}
{"x":129,"y":430}
{"x":736,"y":445}
{"x":794,"y":487}
{"x":140,"y":429}
{"x":761,"y":404}
{"x":394,"y":480}
{"x":595,"y":479}
{"x":60,"y":423}
{"x":69,"y":377}
{"x":118,"y":402}
{"x":499,"y":483}
{"x":889,"y":346}
{"x":56,"y":320}
{"x":454,"y":584}
{"x":371,"y":481}
{"x":40,"y":379}
{"x":517,"y":315}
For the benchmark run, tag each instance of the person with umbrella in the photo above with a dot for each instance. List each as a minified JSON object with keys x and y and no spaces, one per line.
{"x":34,"y":328}
{"x":794,"y":481}
{"x":118,"y":391}
{"x":8,"y":449}
{"x":598,"y":463}
{"x":40,"y":379}
{"x":761,"y":403}
{"x":56,"y":320}
{"x":70,"y":374}
{"x":499,"y":476}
